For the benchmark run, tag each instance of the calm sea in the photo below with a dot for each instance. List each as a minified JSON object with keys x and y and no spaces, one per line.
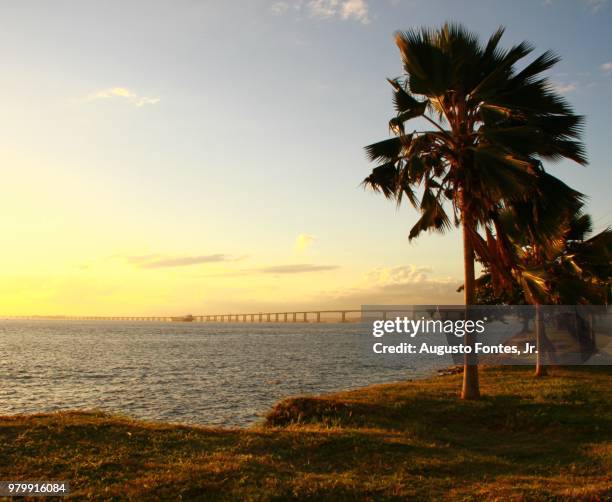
{"x":214,"y":374}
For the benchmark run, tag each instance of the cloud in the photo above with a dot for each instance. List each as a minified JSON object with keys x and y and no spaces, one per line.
{"x":156,"y":261}
{"x":406,"y":284}
{"x":346,"y":9}
{"x":595,"y":5}
{"x":355,"y":10}
{"x":297,"y":269}
{"x":405,"y":274}
{"x":323,"y":8}
{"x":303,"y":242}
{"x":565,"y":88}
{"x":606,"y":67}
{"x":125,"y":94}
{"x":279,"y":8}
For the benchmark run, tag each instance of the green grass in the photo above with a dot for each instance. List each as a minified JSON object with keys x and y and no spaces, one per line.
{"x":526,"y":439}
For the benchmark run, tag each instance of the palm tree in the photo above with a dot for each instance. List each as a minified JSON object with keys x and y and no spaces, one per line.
{"x":582,"y":267}
{"x":553,"y":261}
{"x":578,"y":271}
{"x":529,"y":232}
{"x":491,"y":123}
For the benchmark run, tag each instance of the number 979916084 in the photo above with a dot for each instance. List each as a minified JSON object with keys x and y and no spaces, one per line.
{"x":38,"y":488}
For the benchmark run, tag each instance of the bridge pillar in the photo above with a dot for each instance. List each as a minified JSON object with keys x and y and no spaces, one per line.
{"x":305,"y":317}
{"x":318,"y":316}
{"x":276,"y":317}
{"x":343,"y":316}
{"x":295,"y":317}
{"x":285,"y":316}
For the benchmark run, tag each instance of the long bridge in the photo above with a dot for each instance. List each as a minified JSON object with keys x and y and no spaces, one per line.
{"x":299,"y":316}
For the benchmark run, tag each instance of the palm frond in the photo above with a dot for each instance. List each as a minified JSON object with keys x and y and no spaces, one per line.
{"x":383,"y":179}
{"x":388,"y":149}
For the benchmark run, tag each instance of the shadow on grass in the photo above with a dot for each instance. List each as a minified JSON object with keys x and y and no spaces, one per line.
{"x":528,"y":437}
{"x":551,"y":423}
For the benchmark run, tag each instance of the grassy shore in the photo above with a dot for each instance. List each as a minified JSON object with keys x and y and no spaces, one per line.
{"x":526,"y":439}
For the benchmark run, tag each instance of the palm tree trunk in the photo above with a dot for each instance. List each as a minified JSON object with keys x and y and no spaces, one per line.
{"x":525,"y":328}
{"x":591,"y":324}
{"x":471,"y":388}
{"x":540,"y":370}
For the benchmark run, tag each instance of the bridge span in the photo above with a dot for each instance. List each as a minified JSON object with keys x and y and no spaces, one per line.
{"x":298,"y":316}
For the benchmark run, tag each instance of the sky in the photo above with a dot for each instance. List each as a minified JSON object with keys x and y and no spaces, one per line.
{"x":174,"y":157}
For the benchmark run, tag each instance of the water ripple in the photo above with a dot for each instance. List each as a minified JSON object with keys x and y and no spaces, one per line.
{"x":195,"y":373}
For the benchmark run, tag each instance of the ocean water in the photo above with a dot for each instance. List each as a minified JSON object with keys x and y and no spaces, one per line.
{"x":211,"y":374}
